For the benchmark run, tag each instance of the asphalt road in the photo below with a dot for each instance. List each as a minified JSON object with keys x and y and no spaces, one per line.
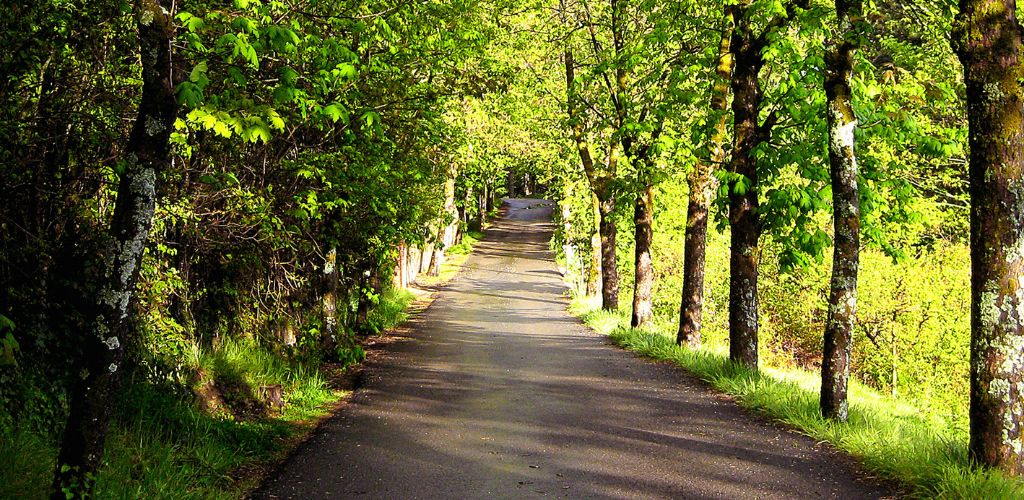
{"x":496,"y":392}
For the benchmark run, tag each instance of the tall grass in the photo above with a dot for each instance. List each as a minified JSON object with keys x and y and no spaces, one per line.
{"x":892,"y":439}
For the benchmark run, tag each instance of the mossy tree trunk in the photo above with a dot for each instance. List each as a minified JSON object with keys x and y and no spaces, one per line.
{"x":743,"y":201}
{"x":702,"y":183}
{"x":146,"y":157}
{"x":842,"y":311}
{"x":987,"y":39}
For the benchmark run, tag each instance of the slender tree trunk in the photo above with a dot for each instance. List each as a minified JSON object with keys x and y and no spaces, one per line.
{"x":609,"y":266}
{"x":835,"y":361}
{"x":481,"y":215}
{"x":601,"y":187}
{"x":643,"y":284}
{"x":329,"y":303}
{"x":398,"y":280}
{"x":490,"y":198}
{"x":448,"y":225}
{"x":702,"y":184}
{"x":743,"y":202}
{"x":987,"y":38}
{"x":100,"y":368}
{"x":594,"y":269}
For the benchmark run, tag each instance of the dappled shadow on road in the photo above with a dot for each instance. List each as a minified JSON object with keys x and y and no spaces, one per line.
{"x":496,"y":392}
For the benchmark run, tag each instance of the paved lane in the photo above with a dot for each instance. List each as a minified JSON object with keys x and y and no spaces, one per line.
{"x":498,"y":393}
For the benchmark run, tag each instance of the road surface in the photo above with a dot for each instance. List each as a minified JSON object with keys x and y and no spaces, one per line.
{"x":497,"y":392}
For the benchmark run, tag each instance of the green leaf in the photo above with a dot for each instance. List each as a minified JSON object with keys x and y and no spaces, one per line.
{"x":336,"y":112}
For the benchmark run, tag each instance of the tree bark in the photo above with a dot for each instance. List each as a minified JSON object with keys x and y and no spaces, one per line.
{"x":987,"y":39}
{"x":743,"y":202}
{"x":702,"y":184}
{"x":594,"y":269}
{"x":329,"y":303}
{"x":93,"y":396}
{"x":835,"y":361}
{"x":609,"y":265}
{"x":447,"y":225}
{"x":601,"y":185}
{"x":481,"y":214}
{"x":643,"y":284}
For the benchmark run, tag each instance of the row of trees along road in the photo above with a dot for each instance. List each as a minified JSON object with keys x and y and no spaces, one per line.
{"x":178,"y":174}
{"x":646,"y":96}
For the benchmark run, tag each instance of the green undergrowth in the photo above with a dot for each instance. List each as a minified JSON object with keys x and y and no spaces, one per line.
{"x":896,"y":441}
{"x":390,"y":310}
{"x":210,"y":438}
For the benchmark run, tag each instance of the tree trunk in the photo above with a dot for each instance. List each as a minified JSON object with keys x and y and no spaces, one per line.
{"x":412,"y":265}
{"x":94,"y":394}
{"x":329,"y":303}
{"x":601,"y":186}
{"x":594,"y":268}
{"x":481,"y":214}
{"x":643,"y":283}
{"x":743,"y":202}
{"x":835,"y":361}
{"x":490,"y":198}
{"x":987,"y":39}
{"x":609,"y":266}
{"x":702,"y":184}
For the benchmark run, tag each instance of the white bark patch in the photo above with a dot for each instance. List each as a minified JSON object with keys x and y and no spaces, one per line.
{"x":112,"y":343}
{"x":844,"y":134}
{"x":112,"y":367}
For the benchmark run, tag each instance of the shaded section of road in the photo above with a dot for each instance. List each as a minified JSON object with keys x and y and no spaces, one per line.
{"x":498,"y":392}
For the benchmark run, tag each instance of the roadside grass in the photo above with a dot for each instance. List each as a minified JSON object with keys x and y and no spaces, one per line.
{"x":163,"y":445}
{"x":390,"y":311}
{"x":895,"y":441}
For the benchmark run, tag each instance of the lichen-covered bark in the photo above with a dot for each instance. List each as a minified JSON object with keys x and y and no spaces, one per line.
{"x":701,"y":183}
{"x":743,"y":191}
{"x":835,"y":363}
{"x":643,"y":284}
{"x":147,"y":155}
{"x":329,"y":303}
{"x":987,"y":39}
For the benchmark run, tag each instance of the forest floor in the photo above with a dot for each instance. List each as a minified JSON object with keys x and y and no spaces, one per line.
{"x":496,"y":391}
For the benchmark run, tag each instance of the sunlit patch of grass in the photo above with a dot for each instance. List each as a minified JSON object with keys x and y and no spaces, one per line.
{"x":890,"y":438}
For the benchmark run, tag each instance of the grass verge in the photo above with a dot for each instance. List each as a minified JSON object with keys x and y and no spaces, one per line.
{"x":166,"y":442}
{"x":891,"y":439}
